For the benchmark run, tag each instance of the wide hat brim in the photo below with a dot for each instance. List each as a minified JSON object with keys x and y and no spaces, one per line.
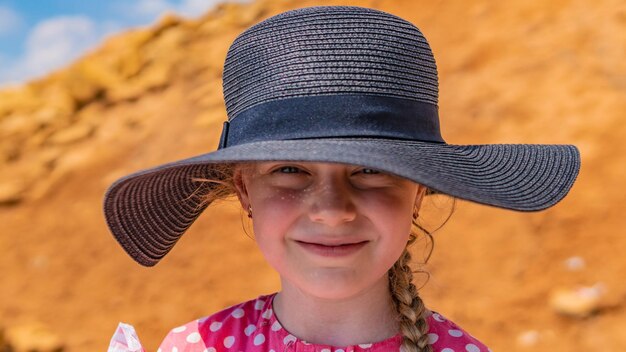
{"x":148,"y":211}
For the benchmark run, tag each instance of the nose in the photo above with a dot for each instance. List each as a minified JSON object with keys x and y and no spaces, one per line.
{"x":332,"y":202}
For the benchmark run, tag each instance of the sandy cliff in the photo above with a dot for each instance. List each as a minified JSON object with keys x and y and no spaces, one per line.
{"x":514,"y":72}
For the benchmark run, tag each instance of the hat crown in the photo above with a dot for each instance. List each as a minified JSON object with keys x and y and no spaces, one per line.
{"x":329,"y":50}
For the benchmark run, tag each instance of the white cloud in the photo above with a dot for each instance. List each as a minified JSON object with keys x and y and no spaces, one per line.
{"x":153,"y":9}
{"x":149,"y":8}
{"x":195,"y":8}
{"x":57,"y":41}
{"x":10,"y":20}
{"x":53,"y":43}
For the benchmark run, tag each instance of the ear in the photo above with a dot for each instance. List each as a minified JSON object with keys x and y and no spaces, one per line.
{"x":240,"y":187}
{"x":421,"y":192}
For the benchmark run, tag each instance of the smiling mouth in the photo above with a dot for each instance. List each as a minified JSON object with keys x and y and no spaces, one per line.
{"x":335,"y":250}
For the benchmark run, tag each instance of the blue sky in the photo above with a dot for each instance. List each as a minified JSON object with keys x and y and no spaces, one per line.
{"x":39,"y":36}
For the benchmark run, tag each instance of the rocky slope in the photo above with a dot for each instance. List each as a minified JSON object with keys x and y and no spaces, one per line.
{"x":514,"y":72}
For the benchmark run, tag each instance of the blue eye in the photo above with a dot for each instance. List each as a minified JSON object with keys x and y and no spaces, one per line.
{"x":370,"y":171}
{"x":288,"y":169}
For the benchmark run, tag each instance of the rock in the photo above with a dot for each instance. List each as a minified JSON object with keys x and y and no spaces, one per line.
{"x":48,"y":156}
{"x":62,"y":166}
{"x":580,"y":302}
{"x":133,"y":39}
{"x":85,"y":83}
{"x":153,"y":77}
{"x":38,"y":139}
{"x":72,"y":134}
{"x":22,"y":99}
{"x":235,"y":14}
{"x":208,"y":96}
{"x":34,"y":337}
{"x":11,"y":193}
{"x":210,"y":118}
{"x":9,"y":152}
{"x":165,"y":48}
{"x":46,"y":117}
{"x":130,"y":64}
{"x":17,"y":124}
{"x":166,"y":21}
{"x":96,"y":72}
{"x":574,"y":263}
{"x":55,"y":94}
{"x":528,"y":338}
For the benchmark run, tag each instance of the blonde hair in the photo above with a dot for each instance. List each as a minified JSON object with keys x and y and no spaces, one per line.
{"x":408,"y":304}
{"x":406,"y":300}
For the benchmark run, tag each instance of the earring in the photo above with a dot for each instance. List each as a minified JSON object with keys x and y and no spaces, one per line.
{"x":249,"y":211}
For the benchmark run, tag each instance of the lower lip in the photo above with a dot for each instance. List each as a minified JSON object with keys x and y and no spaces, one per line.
{"x":332,"y":251}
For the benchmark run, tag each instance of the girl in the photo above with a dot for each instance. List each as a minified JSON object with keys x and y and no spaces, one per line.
{"x":331,"y":144}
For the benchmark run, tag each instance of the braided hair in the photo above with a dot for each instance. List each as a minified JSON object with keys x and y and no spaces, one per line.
{"x":405,"y":297}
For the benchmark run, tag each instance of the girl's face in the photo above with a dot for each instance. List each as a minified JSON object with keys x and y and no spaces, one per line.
{"x":331,"y":230}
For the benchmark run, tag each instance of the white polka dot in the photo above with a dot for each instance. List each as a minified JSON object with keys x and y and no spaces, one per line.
{"x":229,"y":341}
{"x":180,"y":329}
{"x":267,"y":314}
{"x":259,"y":339}
{"x":216,"y":325}
{"x":340,"y":350}
{"x":258,"y":305}
{"x":455,"y":333}
{"x":193,"y":337}
{"x":159,"y":350}
{"x":237,"y":313}
{"x":325,"y":350}
{"x":365,"y":345}
{"x":289,"y":338}
{"x":438,"y":317}
{"x":447,"y":350}
{"x":210,"y":349}
{"x":249,"y":330}
{"x":470,"y":347}
{"x":432,"y":338}
{"x":276,"y":326}
{"x":174,"y":349}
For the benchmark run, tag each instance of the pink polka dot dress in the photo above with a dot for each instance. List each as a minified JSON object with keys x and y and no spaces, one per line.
{"x":252,"y":327}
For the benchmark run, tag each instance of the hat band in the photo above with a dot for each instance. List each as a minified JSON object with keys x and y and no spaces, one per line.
{"x":328,"y":116}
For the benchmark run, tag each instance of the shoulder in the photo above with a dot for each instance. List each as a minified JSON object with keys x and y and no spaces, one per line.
{"x":228,"y":327}
{"x":446,"y":335}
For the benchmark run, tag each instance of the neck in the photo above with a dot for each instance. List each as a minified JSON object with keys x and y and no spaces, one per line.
{"x":365,"y":317}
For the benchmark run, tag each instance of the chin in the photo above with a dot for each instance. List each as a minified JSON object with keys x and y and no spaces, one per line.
{"x":334,"y":286}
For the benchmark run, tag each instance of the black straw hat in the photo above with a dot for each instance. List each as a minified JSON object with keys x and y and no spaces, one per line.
{"x":334,"y":84}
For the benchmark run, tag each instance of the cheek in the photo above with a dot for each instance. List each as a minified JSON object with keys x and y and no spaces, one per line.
{"x":391,"y":214}
{"x":274,"y":215}
{"x":275,"y":210}
{"x":391,"y":218}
